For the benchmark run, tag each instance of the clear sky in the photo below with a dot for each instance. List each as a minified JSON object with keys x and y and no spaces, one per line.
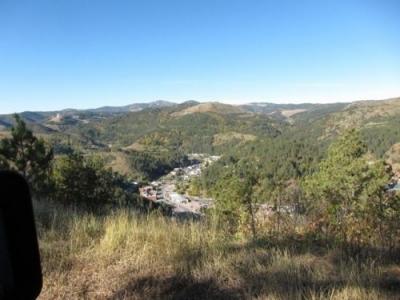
{"x":79,"y":53}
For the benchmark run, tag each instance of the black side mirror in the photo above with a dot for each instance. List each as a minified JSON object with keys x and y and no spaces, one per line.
{"x":20,"y":269}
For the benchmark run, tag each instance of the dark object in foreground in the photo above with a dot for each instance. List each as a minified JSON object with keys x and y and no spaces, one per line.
{"x":20,"y":269}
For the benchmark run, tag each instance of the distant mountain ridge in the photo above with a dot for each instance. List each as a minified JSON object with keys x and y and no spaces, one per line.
{"x":132,"y":107}
{"x":336,"y":115}
{"x":210,"y":107}
{"x":260,"y":107}
{"x":32,"y":117}
{"x":210,"y":127}
{"x":268,"y":107}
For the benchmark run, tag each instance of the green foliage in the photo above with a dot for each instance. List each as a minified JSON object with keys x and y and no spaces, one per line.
{"x":265,"y":158}
{"x":161,"y":128}
{"x":382,"y":134}
{"x":234,"y":195}
{"x":155,"y":164}
{"x":274,"y":162}
{"x":343,"y":195}
{"x":85,"y":182}
{"x":28,"y":155}
{"x":346,"y":189}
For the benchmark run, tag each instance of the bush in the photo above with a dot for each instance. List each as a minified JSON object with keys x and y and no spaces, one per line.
{"x":28,"y":155}
{"x":85,"y":181}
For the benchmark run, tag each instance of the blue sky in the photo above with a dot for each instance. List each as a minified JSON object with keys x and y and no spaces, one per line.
{"x":81,"y":53}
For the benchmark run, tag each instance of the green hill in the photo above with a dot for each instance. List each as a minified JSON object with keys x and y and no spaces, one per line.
{"x":165,"y":128}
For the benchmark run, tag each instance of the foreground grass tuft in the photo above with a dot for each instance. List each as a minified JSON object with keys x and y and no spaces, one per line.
{"x":122,"y":255}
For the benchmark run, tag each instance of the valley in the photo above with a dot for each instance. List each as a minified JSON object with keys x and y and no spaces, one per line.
{"x":190,"y":150}
{"x":162,"y":132}
{"x":229,"y":201}
{"x":178,"y":204}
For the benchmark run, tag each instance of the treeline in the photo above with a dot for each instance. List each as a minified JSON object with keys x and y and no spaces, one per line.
{"x":335,"y":192}
{"x":162,"y":128}
{"x":72,"y":178}
{"x":338,"y":194}
{"x":154,"y":164}
{"x":381,"y":134}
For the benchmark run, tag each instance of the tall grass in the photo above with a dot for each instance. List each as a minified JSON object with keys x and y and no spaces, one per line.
{"x":123,"y":255}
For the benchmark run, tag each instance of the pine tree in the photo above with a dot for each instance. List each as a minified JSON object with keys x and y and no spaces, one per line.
{"x":28,"y":155}
{"x":347,"y":188}
{"x":236,"y":202}
{"x":86,"y":182}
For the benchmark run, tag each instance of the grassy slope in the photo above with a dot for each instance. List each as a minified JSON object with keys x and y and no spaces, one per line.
{"x":131,"y":128}
{"x":361,"y":114}
{"x":124,"y":256}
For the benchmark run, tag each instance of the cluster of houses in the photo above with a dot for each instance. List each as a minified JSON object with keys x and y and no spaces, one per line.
{"x":163,"y":191}
{"x":150,"y":192}
{"x":186,"y":173}
{"x":200,"y":161}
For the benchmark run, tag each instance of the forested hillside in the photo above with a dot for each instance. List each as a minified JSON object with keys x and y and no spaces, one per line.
{"x":296,"y":201}
{"x":167,"y":129}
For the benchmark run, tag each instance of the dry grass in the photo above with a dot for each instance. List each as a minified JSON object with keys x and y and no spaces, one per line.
{"x":291,"y":112}
{"x":360,"y":113}
{"x":136,"y":146}
{"x":393,"y":158}
{"x":120,"y":163}
{"x":126,"y":256}
{"x":213,"y":107}
{"x":4,"y":134}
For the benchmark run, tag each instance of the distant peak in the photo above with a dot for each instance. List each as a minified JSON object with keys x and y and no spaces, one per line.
{"x":191,"y":102}
{"x":162,"y":102}
{"x":209,"y":107}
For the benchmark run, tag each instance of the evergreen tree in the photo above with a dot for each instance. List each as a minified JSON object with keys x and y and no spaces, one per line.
{"x":235,"y":200}
{"x":86,"y":182}
{"x":28,"y":155}
{"x":346,"y":188}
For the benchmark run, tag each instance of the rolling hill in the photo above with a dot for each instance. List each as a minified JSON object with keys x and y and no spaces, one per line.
{"x":210,"y":127}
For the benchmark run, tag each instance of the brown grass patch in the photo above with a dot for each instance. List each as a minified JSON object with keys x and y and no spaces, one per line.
{"x":213,"y":107}
{"x":126,"y":256}
{"x":4,"y":134}
{"x":291,"y":112}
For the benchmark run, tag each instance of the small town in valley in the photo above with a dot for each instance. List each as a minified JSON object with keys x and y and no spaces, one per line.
{"x":164,"y":192}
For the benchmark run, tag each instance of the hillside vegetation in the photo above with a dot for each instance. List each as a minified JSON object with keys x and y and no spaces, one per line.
{"x":300,"y":201}
{"x":125,"y":256}
{"x":213,"y":107}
